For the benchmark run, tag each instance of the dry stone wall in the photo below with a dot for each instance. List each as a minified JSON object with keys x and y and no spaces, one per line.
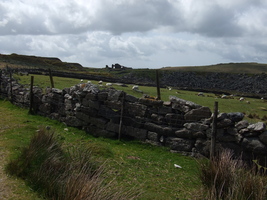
{"x":181,"y":125}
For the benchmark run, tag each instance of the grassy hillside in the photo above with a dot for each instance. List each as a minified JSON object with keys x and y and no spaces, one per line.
{"x":250,"y":68}
{"x":22,"y":61}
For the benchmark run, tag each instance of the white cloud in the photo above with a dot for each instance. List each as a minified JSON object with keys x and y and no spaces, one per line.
{"x":138,"y":32}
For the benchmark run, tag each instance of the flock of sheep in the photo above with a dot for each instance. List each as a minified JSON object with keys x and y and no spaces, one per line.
{"x":136,"y":88}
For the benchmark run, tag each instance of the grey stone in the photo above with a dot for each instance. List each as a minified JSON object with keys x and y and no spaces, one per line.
{"x":236,"y":116}
{"x":241,"y":124}
{"x":196,"y":126}
{"x":258,"y":127}
{"x":152,"y":136}
{"x":150,"y":102}
{"x":222,"y":116}
{"x":45,"y":108}
{"x":184,"y":133}
{"x":180,"y":144}
{"x":74,"y":121}
{"x":131,"y":98}
{"x":140,"y":134}
{"x":198,"y":114}
{"x":191,"y":104}
{"x":254,"y":145}
{"x":114,"y":95}
{"x":263,"y":137}
{"x":225,"y":123}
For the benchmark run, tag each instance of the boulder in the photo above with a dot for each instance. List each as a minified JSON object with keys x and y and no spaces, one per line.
{"x":236,"y":116}
{"x":198,"y":114}
{"x":254,"y":145}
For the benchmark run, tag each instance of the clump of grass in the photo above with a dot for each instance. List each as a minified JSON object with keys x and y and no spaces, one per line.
{"x":57,"y":174}
{"x":228,"y":178}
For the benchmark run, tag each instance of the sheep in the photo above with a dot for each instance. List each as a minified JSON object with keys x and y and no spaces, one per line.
{"x":108,"y":84}
{"x":241,"y":99}
{"x":224,"y":96}
{"x":135,"y":87}
{"x":200,"y":94}
{"x":248,"y":102}
{"x":88,"y":81}
{"x":169,"y":88}
{"x":100,"y":82}
{"x":81,"y":80}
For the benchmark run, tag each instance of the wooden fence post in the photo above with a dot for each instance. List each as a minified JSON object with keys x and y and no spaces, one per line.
{"x":51,"y":78}
{"x":10,"y":82}
{"x":158,"y":88}
{"x":31,"y":96}
{"x":122,"y":110}
{"x":214,"y":131}
{"x":0,"y":82}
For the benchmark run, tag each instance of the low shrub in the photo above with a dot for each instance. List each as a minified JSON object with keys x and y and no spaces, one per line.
{"x":56,"y":174}
{"x":231,"y":179}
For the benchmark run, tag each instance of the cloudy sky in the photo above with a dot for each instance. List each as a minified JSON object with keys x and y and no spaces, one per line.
{"x":136,"y":33}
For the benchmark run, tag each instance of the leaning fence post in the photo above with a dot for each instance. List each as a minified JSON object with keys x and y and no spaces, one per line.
{"x":158,"y":88}
{"x":214,"y":131}
{"x":51,"y":78}
{"x":122,"y":108}
{"x":0,"y":82}
{"x":31,"y":96}
{"x":10,"y":82}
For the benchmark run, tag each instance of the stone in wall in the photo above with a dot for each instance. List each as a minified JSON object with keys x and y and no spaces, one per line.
{"x":180,"y":144}
{"x":254,"y":145}
{"x":140,"y":134}
{"x":198,"y":114}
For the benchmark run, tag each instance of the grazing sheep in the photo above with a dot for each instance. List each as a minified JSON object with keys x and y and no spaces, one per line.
{"x":224,"y":96}
{"x":88,"y":81}
{"x":135,"y":87}
{"x":81,"y":80}
{"x":100,"y":82}
{"x":200,"y":94}
{"x":169,"y":88}
{"x":248,"y":102}
{"x":108,"y":84}
{"x":241,"y":99}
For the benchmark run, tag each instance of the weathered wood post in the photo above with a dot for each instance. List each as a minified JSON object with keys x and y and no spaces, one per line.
{"x":0,"y":82}
{"x":158,"y":87}
{"x":121,"y":117}
{"x":214,"y":131}
{"x":10,"y":83}
{"x":31,"y":96}
{"x":51,"y":78}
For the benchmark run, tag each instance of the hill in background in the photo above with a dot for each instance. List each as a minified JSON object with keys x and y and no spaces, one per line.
{"x":23,"y":61}
{"x":248,"y":68}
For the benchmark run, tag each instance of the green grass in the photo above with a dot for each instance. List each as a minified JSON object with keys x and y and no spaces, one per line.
{"x":131,"y":164}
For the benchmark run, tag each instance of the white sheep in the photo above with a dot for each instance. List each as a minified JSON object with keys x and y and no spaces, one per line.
{"x":200,"y":94}
{"x":224,"y":96}
{"x":241,"y":99}
{"x":100,"y":82}
{"x":108,"y":84}
{"x":135,"y":87}
{"x":81,"y":80}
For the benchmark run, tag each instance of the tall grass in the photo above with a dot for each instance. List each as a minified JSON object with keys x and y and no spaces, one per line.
{"x":231,"y":179}
{"x":57,"y":174}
